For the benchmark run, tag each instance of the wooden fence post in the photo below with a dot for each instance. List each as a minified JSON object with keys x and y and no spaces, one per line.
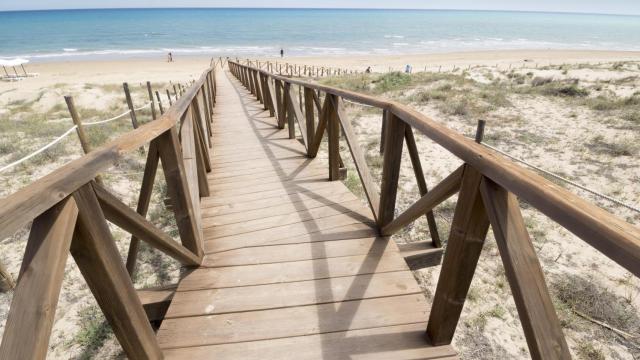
{"x":159,"y":103}
{"x":169,"y":97}
{"x":84,"y":143}
{"x":392,"y":157}
{"x":127,"y":94}
{"x":333,"y":135}
{"x":291,"y":122}
{"x":468,"y":232}
{"x":309,"y":106}
{"x":153,"y":102}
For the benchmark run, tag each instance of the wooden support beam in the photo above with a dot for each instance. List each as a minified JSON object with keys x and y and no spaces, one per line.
{"x":468,"y":232}
{"x":144,"y":199}
{"x":538,"y":317}
{"x":309,"y":116}
{"x":178,"y":191}
{"x":121,"y":215}
{"x":96,"y":254}
{"x":33,"y":307}
{"x":441,"y":192}
{"x":280,"y":102}
{"x":392,"y":157}
{"x":333,"y":134}
{"x":288,"y":105}
{"x":370,"y":188}
{"x":294,"y":110}
{"x":319,"y":133}
{"x":422,"y":183}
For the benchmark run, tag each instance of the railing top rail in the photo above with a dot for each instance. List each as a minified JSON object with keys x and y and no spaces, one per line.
{"x":27,"y":203}
{"x":611,"y":235}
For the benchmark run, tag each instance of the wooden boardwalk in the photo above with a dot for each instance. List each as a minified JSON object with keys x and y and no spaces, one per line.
{"x":293,"y":266}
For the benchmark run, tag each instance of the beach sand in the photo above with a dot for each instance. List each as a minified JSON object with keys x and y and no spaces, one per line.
{"x":558,"y":144}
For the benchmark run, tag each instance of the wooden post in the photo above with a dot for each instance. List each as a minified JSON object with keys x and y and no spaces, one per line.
{"x":538,"y":317}
{"x":144,"y":199}
{"x":175,"y":91}
{"x":97,"y":256}
{"x":383,"y":130}
{"x":281,"y":105}
{"x":178,"y":191}
{"x":33,"y":307}
{"x":480,"y":131}
{"x":153,"y":102}
{"x":79,"y":128}
{"x":392,"y":157}
{"x":6,"y":280}
{"x":422,"y":184}
{"x":169,"y":97}
{"x":291,"y":121}
{"x":468,"y":232}
{"x":127,"y":94}
{"x":309,"y":106}
{"x":159,"y":103}
{"x":333,"y":134}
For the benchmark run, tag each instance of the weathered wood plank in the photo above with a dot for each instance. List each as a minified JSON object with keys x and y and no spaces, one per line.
{"x":392,"y":157}
{"x":296,"y":321}
{"x":391,"y":342}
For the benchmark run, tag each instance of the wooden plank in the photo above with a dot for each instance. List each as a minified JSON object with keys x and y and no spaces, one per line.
{"x":96,"y":254}
{"x":301,"y":172}
{"x":294,"y":110}
{"x":277,"y":296}
{"x":121,"y":215}
{"x":392,"y":157}
{"x":300,"y":251}
{"x":351,"y":208}
{"x":34,"y":302}
{"x":537,"y":315}
{"x":261,"y":237}
{"x":422,"y":183}
{"x":296,"y":205}
{"x":156,"y":301}
{"x":178,"y":191}
{"x":420,"y":254}
{"x":468,"y":232}
{"x":441,"y":192}
{"x":287,"y":102}
{"x":322,"y":124}
{"x":281,"y":105}
{"x":391,"y":342}
{"x":210,"y":278}
{"x":296,"y":321}
{"x":368,"y":183}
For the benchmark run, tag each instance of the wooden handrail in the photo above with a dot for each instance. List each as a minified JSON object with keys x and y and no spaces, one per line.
{"x":23,"y":206}
{"x":70,"y":212}
{"x":489,"y":186}
{"x":612,"y":236}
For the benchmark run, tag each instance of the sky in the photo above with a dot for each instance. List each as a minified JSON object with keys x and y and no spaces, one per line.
{"x":626,"y":7}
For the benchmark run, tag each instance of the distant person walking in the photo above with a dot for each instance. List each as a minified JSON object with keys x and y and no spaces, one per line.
{"x":408,"y":69}
{"x":170,"y":57}
{"x":368,"y":71}
{"x":281,"y":53}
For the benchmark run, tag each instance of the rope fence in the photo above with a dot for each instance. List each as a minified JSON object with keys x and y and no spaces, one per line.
{"x":57,"y":140}
{"x":565,"y":180}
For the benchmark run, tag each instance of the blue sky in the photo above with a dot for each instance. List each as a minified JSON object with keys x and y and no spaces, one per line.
{"x":589,"y":6}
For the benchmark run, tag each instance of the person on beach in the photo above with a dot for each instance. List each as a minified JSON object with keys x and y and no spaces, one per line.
{"x":368,"y":71}
{"x":281,"y":53}
{"x":408,"y":69}
{"x":170,"y":57}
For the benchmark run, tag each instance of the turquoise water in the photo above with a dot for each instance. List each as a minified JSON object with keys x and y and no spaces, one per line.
{"x":81,"y":34}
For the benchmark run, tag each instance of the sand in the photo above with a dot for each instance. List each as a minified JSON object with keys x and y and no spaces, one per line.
{"x":561,"y":254}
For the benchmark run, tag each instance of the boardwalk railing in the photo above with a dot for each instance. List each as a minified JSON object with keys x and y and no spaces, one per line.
{"x":70,"y":208}
{"x":488,"y":187}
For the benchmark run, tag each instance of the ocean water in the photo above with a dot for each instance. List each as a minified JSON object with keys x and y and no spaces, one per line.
{"x":82,"y":34}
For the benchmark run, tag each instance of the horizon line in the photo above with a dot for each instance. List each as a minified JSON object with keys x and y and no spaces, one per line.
{"x":319,"y":8}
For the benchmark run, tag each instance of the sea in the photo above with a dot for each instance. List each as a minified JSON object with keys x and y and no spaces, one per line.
{"x":116,"y":33}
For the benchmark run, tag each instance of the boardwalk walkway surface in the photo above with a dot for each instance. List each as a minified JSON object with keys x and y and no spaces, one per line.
{"x":293,"y":265}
